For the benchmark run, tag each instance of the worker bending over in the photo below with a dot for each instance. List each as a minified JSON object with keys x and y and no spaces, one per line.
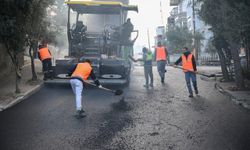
{"x":80,"y":73}
{"x":189,"y":68}
{"x":45,"y":56}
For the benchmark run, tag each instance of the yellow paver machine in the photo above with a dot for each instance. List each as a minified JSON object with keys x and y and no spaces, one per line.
{"x":94,"y":31}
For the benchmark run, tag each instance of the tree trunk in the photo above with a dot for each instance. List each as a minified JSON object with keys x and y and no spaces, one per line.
{"x":14,"y":60}
{"x":248,"y":55}
{"x":239,"y":79}
{"x":18,"y":79}
{"x":34,"y":76}
{"x":223,"y":64}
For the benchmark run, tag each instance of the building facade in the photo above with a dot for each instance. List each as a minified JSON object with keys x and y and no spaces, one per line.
{"x":182,"y":16}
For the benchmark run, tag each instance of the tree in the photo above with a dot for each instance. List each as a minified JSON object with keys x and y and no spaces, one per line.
{"x":15,"y":25}
{"x":210,"y":48}
{"x":61,"y":13}
{"x":179,"y":37}
{"x":12,"y":31}
{"x":37,"y":21}
{"x":221,"y":47}
{"x":227,"y":18}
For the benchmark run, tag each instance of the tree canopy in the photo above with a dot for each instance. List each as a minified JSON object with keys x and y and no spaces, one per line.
{"x":230,"y":25}
{"x":20,"y":19}
{"x":180,"y":37}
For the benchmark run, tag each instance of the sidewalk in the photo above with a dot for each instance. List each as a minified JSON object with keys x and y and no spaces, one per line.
{"x":239,"y":97}
{"x":8,"y":97}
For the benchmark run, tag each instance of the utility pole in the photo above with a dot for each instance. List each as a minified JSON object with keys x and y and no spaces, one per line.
{"x":148,"y":40}
{"x":194,"y":31}
{"x":161,"y":13}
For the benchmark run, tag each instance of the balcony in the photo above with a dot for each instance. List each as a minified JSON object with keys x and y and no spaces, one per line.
{"x":174,"y":2}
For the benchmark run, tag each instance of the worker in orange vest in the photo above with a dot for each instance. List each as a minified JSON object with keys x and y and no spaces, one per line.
{"x":45,"y":57}
{"x":189,"y":68}
{"x":161,"y":59}
{"x":79,"y":74}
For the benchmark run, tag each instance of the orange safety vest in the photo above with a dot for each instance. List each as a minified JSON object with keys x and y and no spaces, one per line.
{"x":187,"y":63}
{"x":160,"y":53}
{"x":82,"y":70}
{"x":44,"y":53}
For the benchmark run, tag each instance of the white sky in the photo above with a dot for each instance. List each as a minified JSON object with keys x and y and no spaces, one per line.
{"x":149,"y":17}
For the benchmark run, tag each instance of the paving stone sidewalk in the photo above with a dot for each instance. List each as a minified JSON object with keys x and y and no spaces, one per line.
{"x":8,"y":97}
{"x":239,"y":97}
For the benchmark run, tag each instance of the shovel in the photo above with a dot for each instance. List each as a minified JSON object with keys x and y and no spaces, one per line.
{"x":116,"y":92}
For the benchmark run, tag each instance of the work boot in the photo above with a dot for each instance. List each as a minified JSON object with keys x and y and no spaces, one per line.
{"x":80,"y":114}
{"x":162,"y":80}
{"x":151,"y":85}
{"x":51,"y":74}
{"x":191,"y":96}
{"x":196,"y":92}
{"x":145,"y":85}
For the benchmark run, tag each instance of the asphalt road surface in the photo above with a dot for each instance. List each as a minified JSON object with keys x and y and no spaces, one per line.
{"x":162,"y":118}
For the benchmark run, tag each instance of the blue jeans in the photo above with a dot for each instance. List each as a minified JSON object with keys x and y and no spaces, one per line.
{"x":191,"y":76}
{"x":148,"y":74}
{"x":161,"y":68}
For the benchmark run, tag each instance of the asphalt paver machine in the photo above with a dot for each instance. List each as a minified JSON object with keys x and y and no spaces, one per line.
{"x":94,"y":32}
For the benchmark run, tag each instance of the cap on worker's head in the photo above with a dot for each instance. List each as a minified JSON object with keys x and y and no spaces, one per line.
{"x":128,"y":20}
{"x":159,"y":43}
{"x":185,"y":48}
{"x":82,"y":60}
{"x":88,"y":61}
{"x":144,"y":49}
{"x":44,"y":42}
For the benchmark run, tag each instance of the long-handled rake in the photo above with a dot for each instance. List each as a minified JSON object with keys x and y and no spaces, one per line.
{"x":199,"y":73}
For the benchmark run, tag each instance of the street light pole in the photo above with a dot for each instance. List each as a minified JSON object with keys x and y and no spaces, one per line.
{"x":194,"y":31}
{"x":162,"y":22}
{"x":149,"y":47}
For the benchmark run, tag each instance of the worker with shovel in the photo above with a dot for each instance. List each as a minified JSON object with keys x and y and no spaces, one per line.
{"x":189,"y":68}
{"x":79,"y":74}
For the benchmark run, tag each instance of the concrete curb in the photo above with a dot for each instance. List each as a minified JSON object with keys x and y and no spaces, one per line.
{"x":240,"y":102}
{"x":22,"y":97}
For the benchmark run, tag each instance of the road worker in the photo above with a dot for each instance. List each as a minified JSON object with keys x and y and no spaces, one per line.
{"x":147,"y":62}
{"x":189,"y":68}
{"x":127,"y":29}
{"x":45,"y":57}
{"x":79,"y":74}
{"x":161,"y":59}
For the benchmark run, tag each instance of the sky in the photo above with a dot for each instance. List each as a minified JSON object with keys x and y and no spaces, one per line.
{"x":148,"y":18}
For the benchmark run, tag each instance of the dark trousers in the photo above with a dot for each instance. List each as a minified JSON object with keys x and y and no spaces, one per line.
{"x":161,"y":68}
{"x":47,"y":68}
{"x":148,"y":74}
{"x":191,"y":76}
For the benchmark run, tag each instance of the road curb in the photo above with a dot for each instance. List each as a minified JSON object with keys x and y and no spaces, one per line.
{"x":240,"y":102}
{"x":23,"y":97}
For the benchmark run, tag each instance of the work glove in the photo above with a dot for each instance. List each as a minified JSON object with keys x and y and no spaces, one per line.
{"x":100,"y":86}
